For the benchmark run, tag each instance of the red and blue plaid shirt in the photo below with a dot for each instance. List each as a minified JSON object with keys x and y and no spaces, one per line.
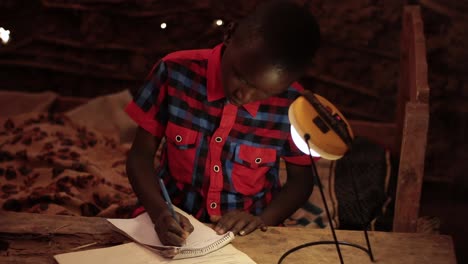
{"x":217,"y":157}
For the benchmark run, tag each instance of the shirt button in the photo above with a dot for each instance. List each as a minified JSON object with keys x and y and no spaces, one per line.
{"x":216,"y":168}
{"x":213,"y":205}
{"x":178,"y":138}
{"x":218,"y":139}
{"x":258,"y":160}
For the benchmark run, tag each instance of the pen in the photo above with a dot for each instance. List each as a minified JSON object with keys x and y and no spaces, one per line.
{"x":168,"y":199}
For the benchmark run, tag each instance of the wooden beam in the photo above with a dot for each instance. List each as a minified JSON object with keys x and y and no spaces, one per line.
{"x":157,"y":10}
{"x":411,"y":167}
{"x":380,"y":133}
{"x":76,"y":231}
{"x":77,"y":44}
{"x":44,"y":225}
{"x":373,"y":52}
{"x":413,"y":81}
{"x":64,"y":68}
{"x":342,"y":84}
{"x":360,"y":114}
{"x":441,"y":9}
{"x":35,"y":238}
{"x":45,"y":55}
{"x":412,"y":118}
{"x":17,"y":44}
{"x":26,"y":260}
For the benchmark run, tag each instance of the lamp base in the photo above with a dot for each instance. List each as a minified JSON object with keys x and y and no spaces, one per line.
{"x":335,"y":241}
{"x":368,"y":250}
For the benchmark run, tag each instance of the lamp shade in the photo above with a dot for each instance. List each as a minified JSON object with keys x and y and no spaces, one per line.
{"x":311,"y":114}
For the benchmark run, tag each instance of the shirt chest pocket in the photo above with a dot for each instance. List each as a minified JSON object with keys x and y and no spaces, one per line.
{"x":181,"y":151}
{"x":250,"y":167}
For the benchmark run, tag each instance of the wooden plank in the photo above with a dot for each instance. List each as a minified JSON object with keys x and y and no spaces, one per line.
{"x":343,"y":84}
{"x":388,"y":247}
{"x":380,"y":133}
{"x":26,"y":260}
{"x":412,"y":118}
{"x":35,"y":238}
{"x":63,"y":67}
{"x":419,"y":88}
{"x":361,"y":114}
{"x":443,"y":9}
{"x":413,"y":81}
{"x":411,"y":168}
{"x":41,"y":224}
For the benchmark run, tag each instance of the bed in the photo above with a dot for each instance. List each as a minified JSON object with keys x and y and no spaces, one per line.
{"x":57,"y":156}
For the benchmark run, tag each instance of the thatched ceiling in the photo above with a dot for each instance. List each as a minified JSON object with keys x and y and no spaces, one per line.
{"x":94,"y":47}
{"x":88,"y":48}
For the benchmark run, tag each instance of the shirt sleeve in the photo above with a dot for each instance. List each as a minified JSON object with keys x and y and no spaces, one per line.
{"x":293,"y":155}
{"x":149,"y":106}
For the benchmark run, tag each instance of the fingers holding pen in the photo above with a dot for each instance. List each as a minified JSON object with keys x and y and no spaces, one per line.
{"x":172,"y":232}
{"x":185,"y":224}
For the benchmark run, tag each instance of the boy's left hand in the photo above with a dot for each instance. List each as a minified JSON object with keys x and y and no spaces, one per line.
{"x":239,"y":222}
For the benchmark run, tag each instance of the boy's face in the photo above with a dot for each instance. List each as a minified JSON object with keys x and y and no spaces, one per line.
{"x":247,"y":76}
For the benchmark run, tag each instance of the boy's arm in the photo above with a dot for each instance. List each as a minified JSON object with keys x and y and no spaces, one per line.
{"x":295,"y":192}
{"x":142,"y":177}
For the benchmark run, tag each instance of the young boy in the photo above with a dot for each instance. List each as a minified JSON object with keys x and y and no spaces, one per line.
{"x":224,"y":115}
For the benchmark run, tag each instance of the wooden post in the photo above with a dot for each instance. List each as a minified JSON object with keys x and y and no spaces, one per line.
{"x":412,"y":118}
{"x":413,"y":86}
{"x":411,"y":168}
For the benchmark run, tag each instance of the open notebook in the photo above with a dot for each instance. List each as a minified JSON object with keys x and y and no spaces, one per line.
{"x":201,"y":241}
{"x":133,"y":253}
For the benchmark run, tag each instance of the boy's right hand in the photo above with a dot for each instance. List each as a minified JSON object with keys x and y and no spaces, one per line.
{"x":171,"y":232}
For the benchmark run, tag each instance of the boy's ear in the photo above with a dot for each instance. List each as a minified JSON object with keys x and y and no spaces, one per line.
{"x":230,"y":29}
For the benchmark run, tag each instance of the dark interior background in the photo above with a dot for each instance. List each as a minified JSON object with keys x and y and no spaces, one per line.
{"x":89,"y":48}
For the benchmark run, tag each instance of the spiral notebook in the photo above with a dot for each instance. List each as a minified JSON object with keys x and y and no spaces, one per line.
{"x":201,"y":241}
{"x":133,"y":253}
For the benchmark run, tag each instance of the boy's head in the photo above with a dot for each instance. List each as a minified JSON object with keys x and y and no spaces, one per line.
{"x":267,"y":51}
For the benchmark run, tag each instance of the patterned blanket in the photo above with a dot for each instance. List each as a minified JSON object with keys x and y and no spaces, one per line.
{"x":50,"y":165}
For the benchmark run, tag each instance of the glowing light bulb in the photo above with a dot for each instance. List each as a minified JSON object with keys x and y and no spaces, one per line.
{"x":301,"y":143}
{"x":4,"y":35}
{"x":163,"y":25}
{"x":219,"y":22}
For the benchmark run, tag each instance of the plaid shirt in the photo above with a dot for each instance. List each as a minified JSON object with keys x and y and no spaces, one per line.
{"x":217,"y":156}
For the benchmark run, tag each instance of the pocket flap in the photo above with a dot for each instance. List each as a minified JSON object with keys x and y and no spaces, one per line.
{"x":180,"y":136}
{"x":256,"y":157}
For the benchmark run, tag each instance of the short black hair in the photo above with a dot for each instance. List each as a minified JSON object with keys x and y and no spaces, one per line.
{"x":290,"y":32}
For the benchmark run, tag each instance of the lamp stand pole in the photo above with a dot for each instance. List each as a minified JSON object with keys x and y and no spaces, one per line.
{"x":335,"y":241}
{"x":319,"y":182}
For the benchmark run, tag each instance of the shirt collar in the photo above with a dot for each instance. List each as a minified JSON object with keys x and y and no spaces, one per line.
{"x":215,"y":89}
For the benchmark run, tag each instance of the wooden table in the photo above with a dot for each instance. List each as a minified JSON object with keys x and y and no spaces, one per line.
{"x":33,"y":238}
